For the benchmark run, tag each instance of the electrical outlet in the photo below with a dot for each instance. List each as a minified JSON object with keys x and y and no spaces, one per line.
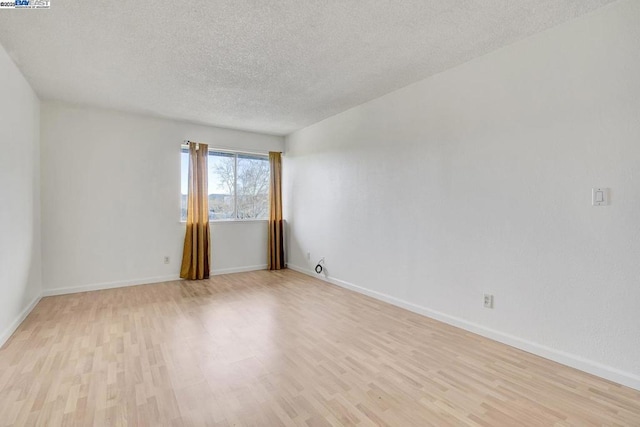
{"x":167,"y":260}
{"x":488,"y":301}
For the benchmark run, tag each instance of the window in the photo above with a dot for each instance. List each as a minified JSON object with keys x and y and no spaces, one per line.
{"x":238,"y":185}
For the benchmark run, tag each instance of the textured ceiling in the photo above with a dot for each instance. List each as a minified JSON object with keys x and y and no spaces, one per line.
{"x":266,"y":66}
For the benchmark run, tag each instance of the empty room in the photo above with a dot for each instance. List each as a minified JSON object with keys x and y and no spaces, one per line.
{"x":320,"y":213}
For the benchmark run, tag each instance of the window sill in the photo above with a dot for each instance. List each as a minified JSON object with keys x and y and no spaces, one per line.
{"x":231,"y":221}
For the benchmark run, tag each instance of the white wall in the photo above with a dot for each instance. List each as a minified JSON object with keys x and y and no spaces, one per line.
{"x":20,"y":280}
{"x":479,"y":180}
{"x":111,"y":199}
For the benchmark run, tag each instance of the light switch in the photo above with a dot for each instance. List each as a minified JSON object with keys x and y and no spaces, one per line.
{"x":600,"y":197}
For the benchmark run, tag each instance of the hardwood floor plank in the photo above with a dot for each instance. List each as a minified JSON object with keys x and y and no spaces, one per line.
{"x":278,"y":349}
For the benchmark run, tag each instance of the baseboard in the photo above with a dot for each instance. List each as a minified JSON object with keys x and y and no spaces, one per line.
{"x":108,"y":285}
{"x":239,"y":269}
{"x":145,"y":281}
{"x":6,"y":334}
{"x":607,"y":372}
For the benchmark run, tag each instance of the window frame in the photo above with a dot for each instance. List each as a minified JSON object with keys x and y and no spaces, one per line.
{"x":185,"y":149}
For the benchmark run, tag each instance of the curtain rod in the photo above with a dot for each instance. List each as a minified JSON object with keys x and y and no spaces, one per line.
{"x":217,"y":147}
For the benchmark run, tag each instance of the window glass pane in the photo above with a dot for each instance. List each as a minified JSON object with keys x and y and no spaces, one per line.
{"x":221,"y":185}
{"x":253,"y":186}
{"x":184,"y":183}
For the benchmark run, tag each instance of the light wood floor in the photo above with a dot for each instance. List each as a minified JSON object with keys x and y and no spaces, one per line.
{"x":278,"y":348}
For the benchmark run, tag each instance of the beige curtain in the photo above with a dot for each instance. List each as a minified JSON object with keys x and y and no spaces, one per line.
{"x":276,"y":239}
{"x":195,"y":256}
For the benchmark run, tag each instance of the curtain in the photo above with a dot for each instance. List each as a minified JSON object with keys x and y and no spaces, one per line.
{"x":276,"y":241}
{"x":196,"y":253}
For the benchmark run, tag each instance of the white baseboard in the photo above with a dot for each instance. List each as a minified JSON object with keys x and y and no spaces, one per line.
{"x":6,"y":334}
{"x":607,"y":372}
{"x":145,"y":281}
{"x":239,"y":269}
{"x":108,"y":285}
